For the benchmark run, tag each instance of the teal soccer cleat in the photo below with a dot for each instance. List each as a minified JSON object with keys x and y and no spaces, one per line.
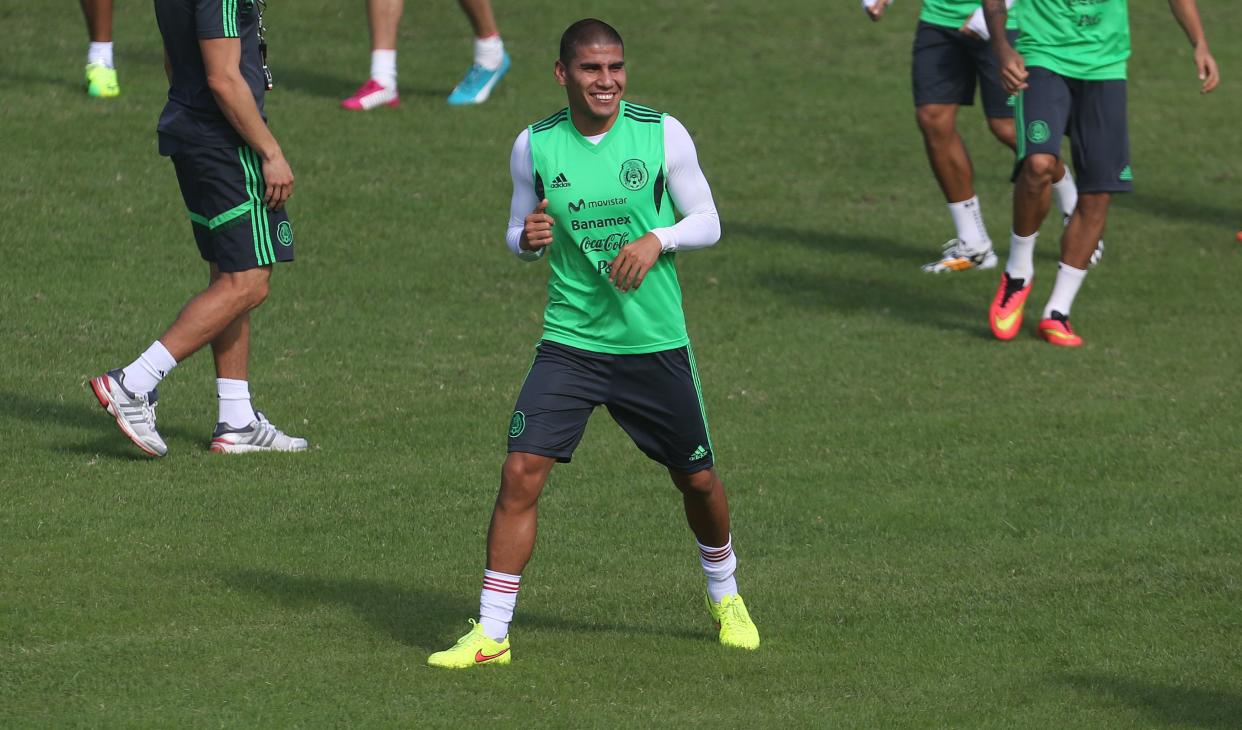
{"x":478,"y":84}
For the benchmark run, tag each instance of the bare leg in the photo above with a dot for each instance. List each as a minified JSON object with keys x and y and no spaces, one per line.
{"x":481,"y":18}
{"x":1032,"y":194}
{"x":1085,"y":229}
{"x":217,"y":309}
{"x":511,"y":536}
{"x":384,"y":16}
{"x":707,"y":507}
{"x":945,"y":151}
{"x":231,"y":348}
{"x":98,"y":14}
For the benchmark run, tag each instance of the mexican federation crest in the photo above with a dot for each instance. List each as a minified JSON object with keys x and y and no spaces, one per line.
{"x":633,"y":174}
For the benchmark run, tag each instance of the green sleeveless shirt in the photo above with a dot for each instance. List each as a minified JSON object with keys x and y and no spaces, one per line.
{"x":601,"y":197}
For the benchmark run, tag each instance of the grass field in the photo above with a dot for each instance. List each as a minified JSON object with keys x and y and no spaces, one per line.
{"x":934,"y":529}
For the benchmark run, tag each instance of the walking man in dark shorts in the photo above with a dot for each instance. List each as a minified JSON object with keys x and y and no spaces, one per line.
{"x":594,"y":187}
{"x":950,"y":59}
{"x":1069,"y":73}
{"x":235,"y":181}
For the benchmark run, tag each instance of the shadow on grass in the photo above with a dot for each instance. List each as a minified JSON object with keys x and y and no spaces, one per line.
{"x":940,"y":311}
{"x":885,"y":249}
{"x":83,"y":413}
{"x":337,"y":86}
{"x":412,"y":616}
{"x":1192,"y":211}
{"x":1167,"y":704}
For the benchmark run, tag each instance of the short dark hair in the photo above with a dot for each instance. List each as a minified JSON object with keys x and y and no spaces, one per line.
{"x":588,"y":32}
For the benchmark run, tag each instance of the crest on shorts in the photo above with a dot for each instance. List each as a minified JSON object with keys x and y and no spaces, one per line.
{"x":517,"y":424}
{"x":284,"y":233}
{"x":1037,"y":131}
{"x":633,"y":174}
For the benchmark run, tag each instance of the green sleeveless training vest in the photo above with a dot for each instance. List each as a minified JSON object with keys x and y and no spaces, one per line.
{"x":601,"y":197}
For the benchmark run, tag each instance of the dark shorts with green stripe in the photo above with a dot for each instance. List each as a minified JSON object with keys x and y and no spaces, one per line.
{"x":654,"y":397}
{"x":223,"y":191}
{"x":1091,"y":113}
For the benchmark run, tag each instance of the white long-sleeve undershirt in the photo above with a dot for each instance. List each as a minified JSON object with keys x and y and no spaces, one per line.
{"x":687,"y":186}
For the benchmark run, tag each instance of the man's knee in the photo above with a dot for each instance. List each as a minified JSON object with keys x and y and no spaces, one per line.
{"x":697,"y":484}
{"x":937,"y":120}
{"x":522,"y":478}
{"x":250,"y":287}
{"x":1002,"y":128}
{"x":1039,"y":166}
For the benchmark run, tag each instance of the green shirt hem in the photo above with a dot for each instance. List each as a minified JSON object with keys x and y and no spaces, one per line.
{"x":1111,"y":72}
{"x":590,"y":346}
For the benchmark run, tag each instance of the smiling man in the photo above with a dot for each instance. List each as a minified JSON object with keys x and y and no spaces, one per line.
{"x":594,"y":191}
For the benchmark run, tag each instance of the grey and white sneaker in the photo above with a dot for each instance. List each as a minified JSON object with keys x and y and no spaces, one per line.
{"x":956,"y":256}
{"x":134,"y":412}
{"x":1097,"y":255}
{"x":260,"y":435}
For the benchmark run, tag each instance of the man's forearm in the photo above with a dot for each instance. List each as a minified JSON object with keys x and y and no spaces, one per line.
{"x":997,"y":16}
{"x":236,"y":101}
{"x":1187,"y":14}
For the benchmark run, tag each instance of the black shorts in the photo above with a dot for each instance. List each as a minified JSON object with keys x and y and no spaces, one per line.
{"x":223,"y":192}
{"x":1092,"y":113}
{"x":948,"y":63}
{"x":654,"y":397}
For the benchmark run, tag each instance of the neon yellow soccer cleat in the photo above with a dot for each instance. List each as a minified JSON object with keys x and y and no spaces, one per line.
{"x":733,"y":620}
{"x":101,"y":81}
{"x":472,"y":650}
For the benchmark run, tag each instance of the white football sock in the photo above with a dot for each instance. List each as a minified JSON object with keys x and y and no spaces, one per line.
{"x":1067,"y":193}
{"x":489,"y":52}
{"x":719,"y":565}
{"x":100,"y":53}
{"x":968,"y":220}
{"x":1021,"y":264}
{"x":143,"y":374}
{"x":496,"y":603}
{"x":1069,"y":280}
{"x":234,"y":397}
{"x":384,"y":67}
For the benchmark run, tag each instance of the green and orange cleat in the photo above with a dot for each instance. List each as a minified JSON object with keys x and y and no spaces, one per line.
{"x":733,"y":621}
{"x":1005,"y":314}
{"x":1056,"y":330}
{"x":475,"y":649}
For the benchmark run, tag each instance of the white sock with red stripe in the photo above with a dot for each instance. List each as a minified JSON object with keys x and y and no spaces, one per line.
{"x":496,"y":603}
{"x":719,"y":565}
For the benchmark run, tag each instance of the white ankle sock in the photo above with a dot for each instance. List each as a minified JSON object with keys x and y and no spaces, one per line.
{"x":489,"y":52}
{"x":1065,"y":289}
{"x":719,"y":565}
{"x":968,"y":220}
{"x":496,"y":603}
{"x":1021,"y":263}
{"x":384,"y":67}
{"x":1067,"y":193}
{"x":100,"y":53}
{"x":143,"y":374}
{"x":234,"y":397}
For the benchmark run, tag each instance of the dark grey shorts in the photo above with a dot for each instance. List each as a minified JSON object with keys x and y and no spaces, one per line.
{"x":1092,"y":113}
{"x":654,"y":397}
{"x":223,"y":191}
{"x":947,"y":64}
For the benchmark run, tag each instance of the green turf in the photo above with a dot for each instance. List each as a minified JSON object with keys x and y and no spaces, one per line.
{"x":934,"y":529}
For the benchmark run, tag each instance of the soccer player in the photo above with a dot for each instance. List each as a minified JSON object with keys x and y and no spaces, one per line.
{"x":949,"y":60}
{"x":101,"y":81}
{"x":1069,"y":73}
{"x":594,"y":187}
{"x":491,"y":62}
{"x":235,"y":181}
